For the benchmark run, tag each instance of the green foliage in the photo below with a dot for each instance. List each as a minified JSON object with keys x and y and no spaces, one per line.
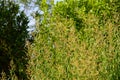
{"x":13,"y":34}
{"x":69,"y":9}
{"x":78,"y":41}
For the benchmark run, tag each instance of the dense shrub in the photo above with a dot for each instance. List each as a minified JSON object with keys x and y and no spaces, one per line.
{"x":88,"y":53}
{"x":13,"y":34}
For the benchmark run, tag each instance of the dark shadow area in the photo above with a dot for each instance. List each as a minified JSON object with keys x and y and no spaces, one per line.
{"x":13,"y":34}
{"x":69,"y":12}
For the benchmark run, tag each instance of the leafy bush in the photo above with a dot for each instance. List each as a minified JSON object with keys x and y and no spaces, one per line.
{"x":13,"y":34}
{"x":90,"y":53}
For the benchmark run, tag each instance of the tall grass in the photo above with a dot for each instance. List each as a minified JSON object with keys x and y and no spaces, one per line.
{"x":59,"y":52}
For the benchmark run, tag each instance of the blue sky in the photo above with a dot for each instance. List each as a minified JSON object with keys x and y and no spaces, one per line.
{"x":31,"y":10}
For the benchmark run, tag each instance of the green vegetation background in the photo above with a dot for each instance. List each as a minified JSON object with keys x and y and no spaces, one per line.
{"x":76,"y":40}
